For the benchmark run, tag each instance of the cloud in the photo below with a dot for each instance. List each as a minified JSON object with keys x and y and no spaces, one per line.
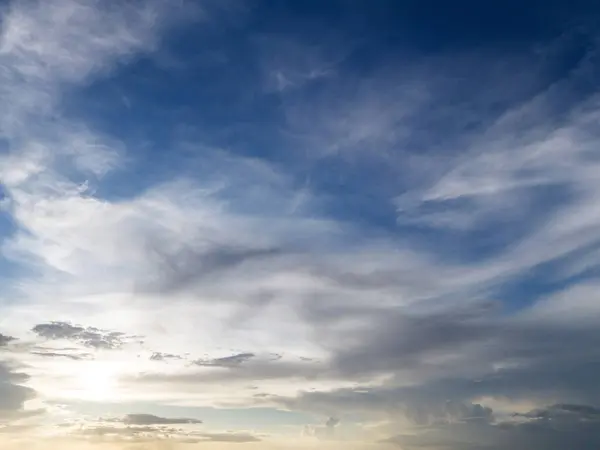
{"x":158,"y":356}
{"x":458,"y":352}
{"x":46,"y":47}
{"x":227,"y":361}
{"x":5,"y":340}
{"x":13,"y":393}
{"x":137,"y":427}
{"x":228,"y":437}
{"x":239,"y":374}
{"x":551,"y":428}
{"x":326,"y":431}
{"x":564,"y":412}
{"x":90,"y":337}
{"x":153,"y":429}
{"x":510,"y":167}
{"x":117,"y":431}
{"x":187,"y":267}
{"x":289,"y":64}
{"x":481,"y":355}
{"x":74,"y":40}
{"x":48,"y":353}
{"x":410,"y":322}
{"x":149,"y":419}
{"x":128,"y":434}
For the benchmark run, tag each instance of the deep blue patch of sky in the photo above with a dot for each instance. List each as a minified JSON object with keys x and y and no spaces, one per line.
{"x":207,"y":86}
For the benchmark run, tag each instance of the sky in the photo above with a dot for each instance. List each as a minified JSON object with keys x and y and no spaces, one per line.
{"x":278,"y":224}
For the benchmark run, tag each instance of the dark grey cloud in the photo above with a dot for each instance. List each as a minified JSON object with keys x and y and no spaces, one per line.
{"x":420,"y":405}
{"x":479,"y":348}
{"x":5,"y":340}
{"x":13,"y":392}
{"x":564,"y":411}
{"x":396,"y":340}
{"x":90,"y":337}
{"x":557,"y":427}
{"x":432,"y":360}
{"x":428,"y":399}
{"x":441,"y":366}
{"x":150,"y":419}
{"x":175,"y":271}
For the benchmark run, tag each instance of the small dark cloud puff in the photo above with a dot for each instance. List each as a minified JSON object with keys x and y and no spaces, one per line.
{"x":158,"y":356}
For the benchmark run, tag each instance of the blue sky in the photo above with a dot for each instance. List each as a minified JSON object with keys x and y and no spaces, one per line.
{"x":281,"y":224}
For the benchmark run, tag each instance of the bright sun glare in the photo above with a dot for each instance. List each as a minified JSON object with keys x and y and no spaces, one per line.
{"x":97,"y":381}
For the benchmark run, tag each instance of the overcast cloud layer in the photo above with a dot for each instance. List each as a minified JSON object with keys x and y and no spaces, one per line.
{"x":282,"y":224}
